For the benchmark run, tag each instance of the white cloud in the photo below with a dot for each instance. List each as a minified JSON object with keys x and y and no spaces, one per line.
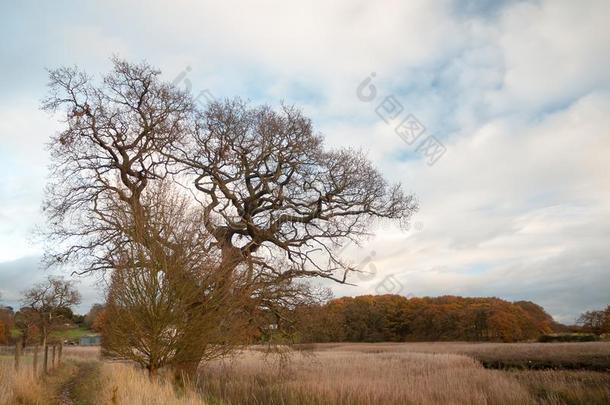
{"x":553,"y":51}
{"x":519,"y":92}
{"x":514,"y":210}
{"x":24,"y":131}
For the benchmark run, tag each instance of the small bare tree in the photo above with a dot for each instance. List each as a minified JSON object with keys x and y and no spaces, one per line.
{"x":597,"y":322}
{"x":48,"y":300}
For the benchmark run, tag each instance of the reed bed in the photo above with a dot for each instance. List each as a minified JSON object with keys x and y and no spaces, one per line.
{"x":555,"y":387}
{"x":593,"y":356}
{"x":352,"y":377}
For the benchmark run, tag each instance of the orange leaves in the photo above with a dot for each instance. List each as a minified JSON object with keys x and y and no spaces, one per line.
{"x":396,"y":318}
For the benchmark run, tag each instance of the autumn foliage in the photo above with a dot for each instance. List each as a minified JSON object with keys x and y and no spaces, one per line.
{"x":6,"y":323}
{"x":3,"y":339}
{"x":376,"y":318}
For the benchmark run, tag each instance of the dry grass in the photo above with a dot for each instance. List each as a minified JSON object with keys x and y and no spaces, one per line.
{"x":349,"y":377}
{"x":566,"y":387}
{"x":104,"y":383}
{"x":332,"y":374}
{"x":580,"y":356}
{"x":125,"y":385}
{"x":82,"y":352}
{"x":20,"y":387}
{"x":419,"y":373}
{"x":542,"y":349}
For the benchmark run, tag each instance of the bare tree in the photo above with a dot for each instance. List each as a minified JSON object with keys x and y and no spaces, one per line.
{"x":597,"y":322}
{"x":269,"y":188}
{"x":271,"y":203}
{"x":276,"y":202}
{"x":48,"y":300}
{"x":104,"y":159}
{"x":149,"y":311}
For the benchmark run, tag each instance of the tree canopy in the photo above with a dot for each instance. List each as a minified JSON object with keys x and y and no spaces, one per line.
{"x":376,"y":318}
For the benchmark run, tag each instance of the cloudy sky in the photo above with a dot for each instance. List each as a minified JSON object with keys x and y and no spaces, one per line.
{"x":516,"y":94}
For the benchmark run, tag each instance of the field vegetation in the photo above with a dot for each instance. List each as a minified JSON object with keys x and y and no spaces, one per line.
{"x":347,"y":373}
{"x":593,"y":356}
{"x":86,"y":380}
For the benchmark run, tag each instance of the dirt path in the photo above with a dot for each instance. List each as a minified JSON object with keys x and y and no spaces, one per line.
{"x":83,"y":387}
{"x":65,"y":396}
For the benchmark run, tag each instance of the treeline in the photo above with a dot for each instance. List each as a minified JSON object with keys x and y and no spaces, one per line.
{"x":376,"y":318}
{"x":25,"y":326}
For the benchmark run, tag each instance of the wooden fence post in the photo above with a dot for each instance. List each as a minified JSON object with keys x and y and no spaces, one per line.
{"x":17,"y":354}
{"x":45,"y":358}
{"x":45,"y":350}
{"x":35,"y":361}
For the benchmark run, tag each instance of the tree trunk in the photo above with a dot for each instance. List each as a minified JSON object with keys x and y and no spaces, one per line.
{"x":53,"y":356}
{"x":35,"y":365}
{"x":45,"y":357}
{"x":45,"y":350}
{"x":152,"y":373}
{"x":17,"y":354}
{"x":61,"y":349}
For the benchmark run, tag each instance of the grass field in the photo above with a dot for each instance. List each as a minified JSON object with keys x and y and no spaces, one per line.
{"x":72,"y":333}
{"x":86,"y":380}
{"x":355,"y":374}
{"x":593,"y":356}
{"x":418,"y":373}
{"x":69,"y":333}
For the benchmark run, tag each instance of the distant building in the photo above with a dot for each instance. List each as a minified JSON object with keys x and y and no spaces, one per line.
{"x":90,"y":340}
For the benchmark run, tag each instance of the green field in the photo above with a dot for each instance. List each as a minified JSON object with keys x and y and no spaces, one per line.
{"x":70,"y":333}
{"x":73,"y":333}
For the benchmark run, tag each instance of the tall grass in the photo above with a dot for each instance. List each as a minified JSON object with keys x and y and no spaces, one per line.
{"x":119,"y":384}
{"x":545,"y":350}
{"x":20,"y":387}
{"x":332,"y":374}
{"x":82,"y":352}
{"x":554,"y":387}
{"x":336,"y":377}
{"x":578,"y":356}
{"x":123,"y":384}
